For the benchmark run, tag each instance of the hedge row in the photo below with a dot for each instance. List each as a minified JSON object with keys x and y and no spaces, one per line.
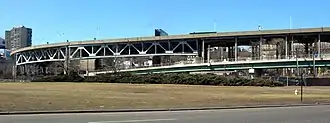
{"x":188,"y":79}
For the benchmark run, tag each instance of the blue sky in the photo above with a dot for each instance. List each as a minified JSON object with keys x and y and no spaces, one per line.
{"x":60,"y":20}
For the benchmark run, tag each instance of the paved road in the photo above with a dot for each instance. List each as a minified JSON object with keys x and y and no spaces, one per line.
{"x":308,"y":114}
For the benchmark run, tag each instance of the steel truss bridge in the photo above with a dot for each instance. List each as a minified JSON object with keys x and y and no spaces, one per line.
{"x":186,"y":45}
{"x":104,"y":50}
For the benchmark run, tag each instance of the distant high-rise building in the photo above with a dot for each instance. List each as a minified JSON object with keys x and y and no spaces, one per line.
{"x":4,"y":53}
{"x":2,"y":43}
{"x":18,"y":37}
{"x":160,"y":32}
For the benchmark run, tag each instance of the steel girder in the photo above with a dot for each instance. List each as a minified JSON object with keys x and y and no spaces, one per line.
{"x":124,"y":49}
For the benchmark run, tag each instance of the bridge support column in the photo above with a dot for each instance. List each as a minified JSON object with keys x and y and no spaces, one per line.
{"x":67,"y":59}
{"x":291,"y":53}
{"x":318,"y":53}
{"x":257,"y":52}
{"x":260,"y":48}
{"x":14,"y":71}
{"x":221,"y":53}
{"x":203,"y":51}
{"x":311,"y":49}
{"x":292,"y":47}
{"x":236,"y":55}
{"x":208,"y":53}
{"x":319,"y":46}
{"x":285,"y":70}
{"x":286,"y":47}
{"x":307,"y":49}
{"x":315,"y":49}
{"x":253,"y":52}
{"x":230,"y":53}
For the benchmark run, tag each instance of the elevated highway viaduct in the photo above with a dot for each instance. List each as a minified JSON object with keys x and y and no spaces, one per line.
{"x":196,"y":45}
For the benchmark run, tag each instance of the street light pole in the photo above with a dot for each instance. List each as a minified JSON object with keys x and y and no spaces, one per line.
{"x":97,"y":33}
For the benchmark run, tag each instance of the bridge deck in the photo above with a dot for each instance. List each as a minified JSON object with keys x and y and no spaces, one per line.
{"x":186,"y":36}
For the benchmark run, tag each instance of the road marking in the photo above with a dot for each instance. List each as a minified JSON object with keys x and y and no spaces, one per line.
{"x":132,"y":121}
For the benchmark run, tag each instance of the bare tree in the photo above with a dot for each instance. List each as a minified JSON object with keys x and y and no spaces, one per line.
{"x":6,"y":69}
{"x":6,"y":72}
{"x":112,"y":64}
{"x":62,"y":67}
{"x":280,"y":47}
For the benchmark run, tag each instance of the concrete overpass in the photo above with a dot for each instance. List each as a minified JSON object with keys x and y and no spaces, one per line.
{"x":183,"y":45}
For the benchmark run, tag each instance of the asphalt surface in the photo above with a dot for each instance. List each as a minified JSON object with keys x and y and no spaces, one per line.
{"x":305,"y":114}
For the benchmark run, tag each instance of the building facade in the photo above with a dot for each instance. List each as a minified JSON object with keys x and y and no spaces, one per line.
{"x":160,"y":32}
{"x":2,"y":43}
{"x":18,"y":37}
{"x":4,"y":53}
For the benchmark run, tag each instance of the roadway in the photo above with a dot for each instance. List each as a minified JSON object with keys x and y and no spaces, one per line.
{"x":307,"y":114}
{"x":184,"y":36}
{"x":225,"y":66}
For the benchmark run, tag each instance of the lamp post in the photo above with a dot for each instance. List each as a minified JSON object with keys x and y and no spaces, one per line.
{"x":97,"y":33}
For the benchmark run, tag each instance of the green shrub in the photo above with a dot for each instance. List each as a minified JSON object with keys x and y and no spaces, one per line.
{"x":169,"y":78}
{"x":60,"y":78}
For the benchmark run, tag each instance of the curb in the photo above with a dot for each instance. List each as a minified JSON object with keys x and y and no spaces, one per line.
{"x":151,"y":110}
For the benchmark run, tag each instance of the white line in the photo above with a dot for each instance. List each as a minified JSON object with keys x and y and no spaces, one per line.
{"x":132,"y":121}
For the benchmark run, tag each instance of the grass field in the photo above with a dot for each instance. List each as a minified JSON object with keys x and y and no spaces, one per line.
{"x":63,"y":96}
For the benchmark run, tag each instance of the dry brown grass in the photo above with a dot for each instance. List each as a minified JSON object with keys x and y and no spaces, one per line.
{"x":63,"y":96}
